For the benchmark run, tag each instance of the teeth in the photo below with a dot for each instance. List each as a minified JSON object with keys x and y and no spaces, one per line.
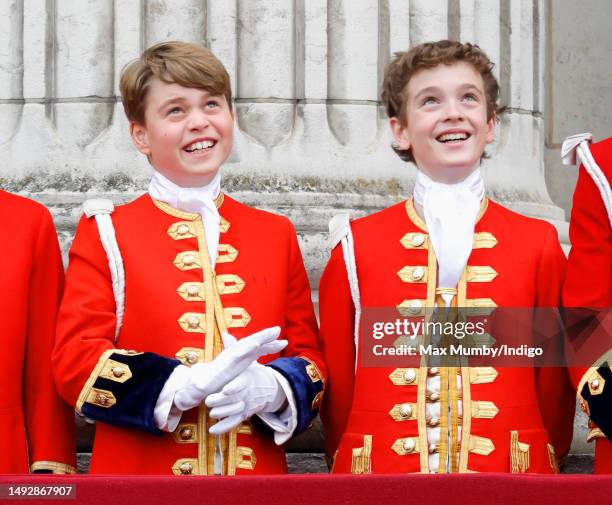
{"x":452,"y":136}
{"x":197,"y":146}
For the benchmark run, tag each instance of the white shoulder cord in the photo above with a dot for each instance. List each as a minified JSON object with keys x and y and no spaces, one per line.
{"x":102,"y":210}
{"x":577,"y":146}
{"x":340,"y":231}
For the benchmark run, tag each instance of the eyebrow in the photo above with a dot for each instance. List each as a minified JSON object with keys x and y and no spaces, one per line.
{"x":170,"y":101}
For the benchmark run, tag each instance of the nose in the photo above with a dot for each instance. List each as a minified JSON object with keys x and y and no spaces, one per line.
{"x":198,"y":119}
{"x":453,"y":110}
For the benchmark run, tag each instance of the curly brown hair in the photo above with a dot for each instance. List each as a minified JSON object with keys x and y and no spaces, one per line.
{"x":429,"y":55}
{"x":187,"y":64}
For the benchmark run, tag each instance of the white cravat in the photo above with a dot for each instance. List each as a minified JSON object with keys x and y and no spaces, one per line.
{"x":200,"y":200}
{"x":450,"y":214}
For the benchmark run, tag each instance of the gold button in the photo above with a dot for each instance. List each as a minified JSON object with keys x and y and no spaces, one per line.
{"x":101,"y":399}
{"x":186,"y":434}
{"x":312,"y":372}
{"x":409,"y":376}
{"x":434,"y":397}
{"x":415,"y":306}
{"x":188,"y":259}
{"x":118,"y":371}
{"x":595,"y":384}
{"x":418,"y":273}
{"x":193,"y":322}
{"x":409,"y":445}
{"x":191,"y":357}
{"x":418,"y":240}
{"x":405,"y":410}
{"x":433,"y":448}
{"x":186,"y":468}
{"x":192,"y":290}
{"x":182,"y":229}
{"x":434,"y":421}
{"x":434,"y":370}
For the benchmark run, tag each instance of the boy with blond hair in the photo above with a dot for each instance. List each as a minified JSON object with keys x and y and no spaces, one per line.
{"x":448,"y":246}
{"x":156,"y":329}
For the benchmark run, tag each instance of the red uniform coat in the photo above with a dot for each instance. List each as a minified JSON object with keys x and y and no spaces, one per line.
{"x":376,"y":417}
{"x":36,"y":427}
{"x":589,"y":282}
{"x":259,"y":281}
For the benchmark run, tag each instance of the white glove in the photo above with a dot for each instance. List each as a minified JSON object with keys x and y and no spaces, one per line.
{"x":207,"y":378}
{"x":254,"y":391}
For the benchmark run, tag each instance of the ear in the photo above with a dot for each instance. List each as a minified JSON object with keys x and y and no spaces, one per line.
{"x":491,"y":128}
{"x":400,"y":133}
{"x":140,"y":138}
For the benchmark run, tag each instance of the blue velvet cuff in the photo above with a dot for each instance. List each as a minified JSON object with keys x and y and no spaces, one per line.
{"x":136,"y":397}
{"x":306,"y":385}
{"x":599,"y":404}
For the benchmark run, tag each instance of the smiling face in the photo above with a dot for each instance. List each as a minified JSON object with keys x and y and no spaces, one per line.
{"x":446,"y":124}
{"x":187,"y":132}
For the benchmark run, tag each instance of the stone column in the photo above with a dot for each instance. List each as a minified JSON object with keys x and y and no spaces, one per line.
{"x":310,"y":134}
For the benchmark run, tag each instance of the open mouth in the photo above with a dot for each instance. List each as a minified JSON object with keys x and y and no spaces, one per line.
{"x":200,"y":145}
{"x":456,"y":137}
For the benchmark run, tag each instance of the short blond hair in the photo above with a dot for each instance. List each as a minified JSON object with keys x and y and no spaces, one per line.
{"x":187,"y":64}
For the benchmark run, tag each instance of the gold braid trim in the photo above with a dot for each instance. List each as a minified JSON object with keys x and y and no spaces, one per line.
{"x":54,"y":466}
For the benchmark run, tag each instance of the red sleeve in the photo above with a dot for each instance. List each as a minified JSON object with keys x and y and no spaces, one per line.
{"x":588,"y":285}
{"x":589,"y":270}
{"x":337,"y":317}
{"x":301,"y":324}
{"x":555,"y":392}
{"x":86,"y":321}
{"x":49,"y":420}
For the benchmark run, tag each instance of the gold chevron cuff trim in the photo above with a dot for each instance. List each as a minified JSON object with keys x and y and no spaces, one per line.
{"x":484,"y":240}
{"x":361,"y":459}
{"x":481,"y":445}
{"x":226,"y":253}
{"x":484,"y":410}
{"x":519,"y":454}
{"x":480,"y":274}
{"x":101,"y":398}
{"x":115,"y":371}
{"x":93,"y":376}
{"x":482,"y":374}
{"x":592,"y":374}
